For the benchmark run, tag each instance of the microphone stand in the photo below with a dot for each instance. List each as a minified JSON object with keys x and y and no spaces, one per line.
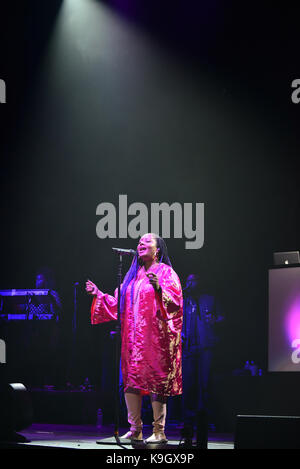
{"x":74,"y":322}
{"x":74,"y":335}
{"x":117,"y":336}
{"x":118,"y":353}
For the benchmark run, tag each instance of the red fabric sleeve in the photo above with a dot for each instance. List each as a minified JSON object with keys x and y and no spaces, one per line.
{"x":170,"y":298}
{"x":104,"y":308}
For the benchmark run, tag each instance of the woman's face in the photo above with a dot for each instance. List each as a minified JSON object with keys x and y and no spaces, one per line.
{"x":147,"y":249}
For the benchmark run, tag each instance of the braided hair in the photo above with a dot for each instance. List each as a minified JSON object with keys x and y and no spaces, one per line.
{"x":137,"y":263}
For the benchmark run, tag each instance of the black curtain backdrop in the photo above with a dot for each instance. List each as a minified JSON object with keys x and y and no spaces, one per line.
{"x":164,"y":102}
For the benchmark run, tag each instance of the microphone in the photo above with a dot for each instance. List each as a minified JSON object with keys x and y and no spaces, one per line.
{"x":124,"y":252}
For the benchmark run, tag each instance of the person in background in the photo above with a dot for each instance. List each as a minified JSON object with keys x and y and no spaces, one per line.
{"x":45,"y":312}
{"x":202,"y":317}
{"x":45,"y":281}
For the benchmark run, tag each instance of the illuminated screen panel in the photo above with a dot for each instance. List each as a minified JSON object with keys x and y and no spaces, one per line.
{"x":284,"y":319}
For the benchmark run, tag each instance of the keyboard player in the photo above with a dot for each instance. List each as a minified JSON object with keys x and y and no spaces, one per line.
{"x":32,"y":332}
{"x":51,"y":310}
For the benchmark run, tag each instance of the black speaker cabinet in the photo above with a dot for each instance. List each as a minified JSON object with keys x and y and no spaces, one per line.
{"x":15,"y":408}
{"x":267,"y":432}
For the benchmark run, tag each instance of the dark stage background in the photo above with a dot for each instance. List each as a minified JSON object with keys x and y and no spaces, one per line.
{"x":165,"y":102}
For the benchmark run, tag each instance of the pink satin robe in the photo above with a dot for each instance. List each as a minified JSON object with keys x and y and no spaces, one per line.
{"x":150,"y":331}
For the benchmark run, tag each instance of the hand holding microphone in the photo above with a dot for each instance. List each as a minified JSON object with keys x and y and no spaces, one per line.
{"x":153,"y":279}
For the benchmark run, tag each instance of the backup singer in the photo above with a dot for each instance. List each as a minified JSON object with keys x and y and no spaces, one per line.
{"x":151,"y":323}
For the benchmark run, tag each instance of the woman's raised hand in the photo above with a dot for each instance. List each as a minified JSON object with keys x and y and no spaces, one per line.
{"x":91,"y":288}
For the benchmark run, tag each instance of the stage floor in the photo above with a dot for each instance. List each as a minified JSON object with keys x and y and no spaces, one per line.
{"x":85,"y":437}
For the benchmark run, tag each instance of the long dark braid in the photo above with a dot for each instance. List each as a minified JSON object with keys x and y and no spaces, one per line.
{"x":137,"y":263}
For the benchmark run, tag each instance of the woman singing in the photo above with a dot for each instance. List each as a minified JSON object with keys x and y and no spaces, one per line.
{"x":151,"y":323}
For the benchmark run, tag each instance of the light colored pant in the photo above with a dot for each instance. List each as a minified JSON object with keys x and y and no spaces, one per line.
{"x":133,"y":400}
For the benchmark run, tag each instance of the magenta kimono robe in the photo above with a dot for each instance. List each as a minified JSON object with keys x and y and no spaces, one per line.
{"x":150,"y":331}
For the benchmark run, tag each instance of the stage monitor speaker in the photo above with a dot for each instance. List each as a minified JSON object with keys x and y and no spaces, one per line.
{"x":15,"y":409}
{"x":267,"y":432}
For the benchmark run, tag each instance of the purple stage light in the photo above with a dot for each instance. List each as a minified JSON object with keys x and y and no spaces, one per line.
{"x":292,"y":320}
{"x":284,"y":319}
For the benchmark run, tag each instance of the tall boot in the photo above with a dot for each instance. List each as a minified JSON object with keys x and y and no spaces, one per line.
{"x":134,"y":409}
{"x":159,"y":407}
